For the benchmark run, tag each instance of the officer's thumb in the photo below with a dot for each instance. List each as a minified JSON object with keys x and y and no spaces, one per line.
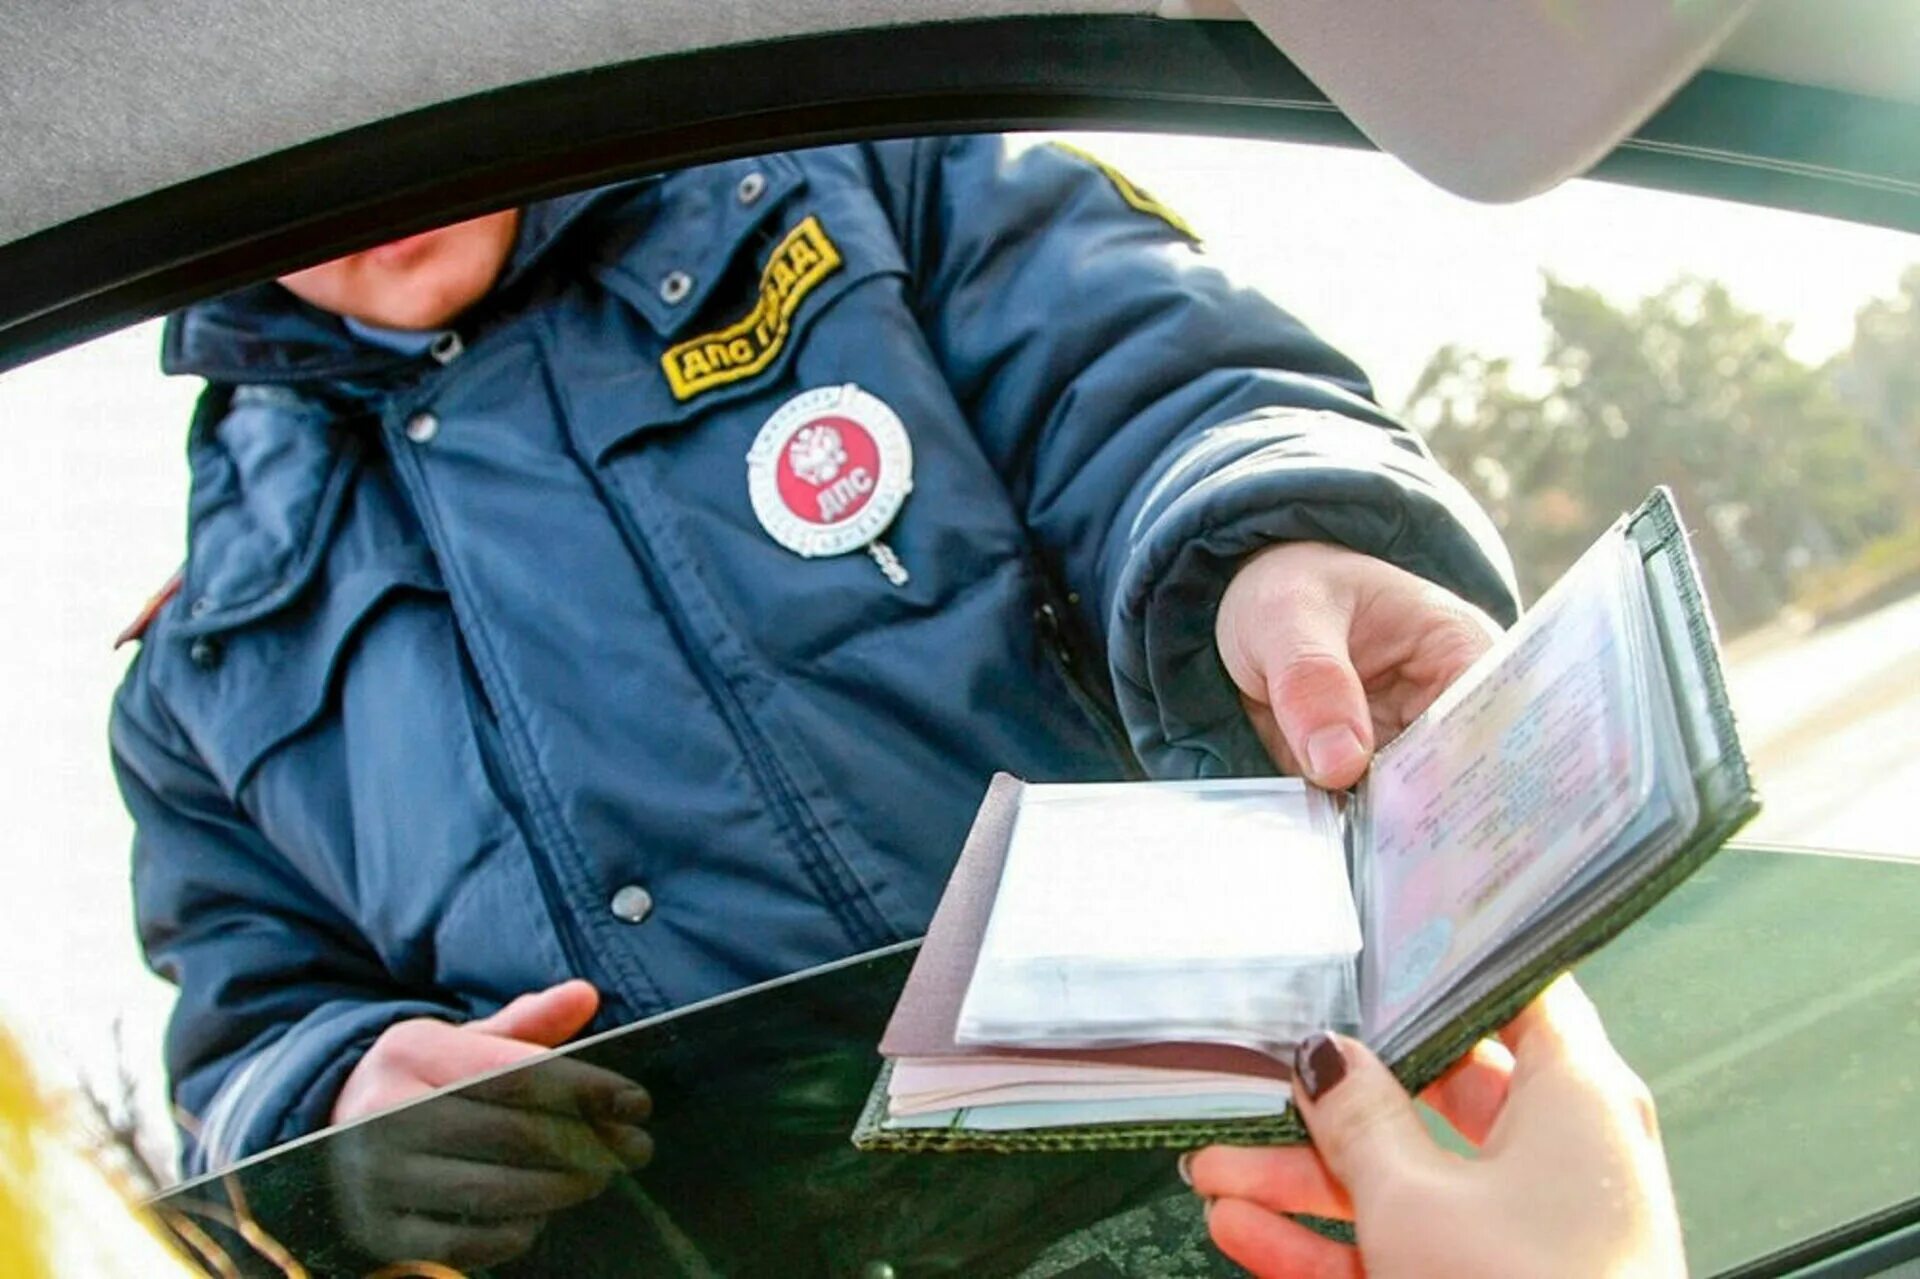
{"x":1363,"y":1122}
{"x":547,"y":1017}
{"x":1316,"y":695}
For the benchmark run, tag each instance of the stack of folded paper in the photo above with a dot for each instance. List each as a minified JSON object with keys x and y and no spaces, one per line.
{"x":1114,"y":953}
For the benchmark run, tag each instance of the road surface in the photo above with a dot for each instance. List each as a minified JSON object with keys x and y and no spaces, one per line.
{"x":1831,"y":723}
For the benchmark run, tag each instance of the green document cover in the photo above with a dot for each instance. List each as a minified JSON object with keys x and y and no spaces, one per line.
{"x":1420,"y":1013}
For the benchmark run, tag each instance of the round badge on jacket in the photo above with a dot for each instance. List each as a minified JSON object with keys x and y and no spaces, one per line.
{"x":829,"y":470}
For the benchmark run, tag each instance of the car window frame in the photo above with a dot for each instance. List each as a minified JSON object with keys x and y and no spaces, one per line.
{"x":1732,"y":136}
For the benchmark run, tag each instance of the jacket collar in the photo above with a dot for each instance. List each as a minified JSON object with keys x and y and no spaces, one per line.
{"x":272,"y":464}
{"x":262,"y":334}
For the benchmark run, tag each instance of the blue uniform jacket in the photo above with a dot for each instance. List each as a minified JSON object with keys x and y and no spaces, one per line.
{"x":472,"y":640}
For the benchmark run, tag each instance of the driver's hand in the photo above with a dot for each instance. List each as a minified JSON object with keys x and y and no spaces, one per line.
{"x":1334,"y":652}
{"x":1570,"y":1179}
{"x":471,"y":1179}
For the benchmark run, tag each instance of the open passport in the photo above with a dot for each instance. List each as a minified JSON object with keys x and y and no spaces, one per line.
{"x":1128,"y":964}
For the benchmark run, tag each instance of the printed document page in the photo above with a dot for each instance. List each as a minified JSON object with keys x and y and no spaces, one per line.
{"x":1172,"y":906}
{"x":1491,"y":803}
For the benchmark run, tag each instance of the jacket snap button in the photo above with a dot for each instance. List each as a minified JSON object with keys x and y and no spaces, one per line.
{"x":204,"y":652}
{"x":446,"y":348}
{"x":751,"y":187}
{"x":422,"y":427}
{"x":632,"y":904}
{"x":675,"y":287}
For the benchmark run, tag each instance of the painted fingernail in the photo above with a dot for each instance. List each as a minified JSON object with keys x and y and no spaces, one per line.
{"x":1318,"y":1064}
{"x":1334,"y":752}
{"x":1185,"y":1167}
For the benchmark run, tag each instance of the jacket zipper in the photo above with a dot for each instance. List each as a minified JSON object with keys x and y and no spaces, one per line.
{"x":523,"y":800}
{"x":487,"y":741}
{"x":860,"y":918}
{"x":1093,"y":702}
{"x":839,"y":889}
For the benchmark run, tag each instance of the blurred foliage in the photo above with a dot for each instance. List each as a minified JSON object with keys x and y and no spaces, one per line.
{"x":1881,"y":371}
{"x":115,"y":1130}
{"x":1886,"y":569}
{"x":1783,"y":470}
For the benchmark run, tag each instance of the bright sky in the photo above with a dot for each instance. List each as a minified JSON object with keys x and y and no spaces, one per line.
{"x":1378,"y":262}
{"x":1388,"y":267}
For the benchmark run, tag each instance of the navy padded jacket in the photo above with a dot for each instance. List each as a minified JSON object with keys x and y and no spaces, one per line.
{"x":431,"y":697}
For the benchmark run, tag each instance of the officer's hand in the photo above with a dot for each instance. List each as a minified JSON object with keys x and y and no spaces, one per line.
{"x":1570,"y":1179}
{"x":1334,"y":652}
{"x":471,"y":1178}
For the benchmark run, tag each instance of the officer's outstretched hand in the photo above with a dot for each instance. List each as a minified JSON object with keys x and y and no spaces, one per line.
{"x":470,"y":1179}
{"x":1334,"y":652}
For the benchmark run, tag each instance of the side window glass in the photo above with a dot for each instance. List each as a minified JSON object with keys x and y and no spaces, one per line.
{"x":1564,"y":355}
{"x":1561,"y":357}
{"x":93,"y":526}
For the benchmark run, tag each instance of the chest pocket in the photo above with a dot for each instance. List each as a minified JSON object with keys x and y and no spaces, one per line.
{"x":729,"y":323}
{"x":241,"y":691}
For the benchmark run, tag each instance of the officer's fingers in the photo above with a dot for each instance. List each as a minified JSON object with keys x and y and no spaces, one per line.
{"x":449,"y":1055}
{"x":1267,"y":729}
{"x":462,"y":1127}
{"x":1456,"y":638}
{"x":1272,"y":1246}
{"x":564,"y":1086}
{"x":632,"y":1146}
{"x":547,"y":1017}
{"x":475,"y":1191}
{"x":1409,"y":667}
{"x":415,"y":1057}
{"x":409,"y":1237}
{"x":1292,"y":1179}
{"x":1292,"y":630}
{"x":1363,"y":1123}
{"x":1283,"y":634}
{"x":1473,"y":1091}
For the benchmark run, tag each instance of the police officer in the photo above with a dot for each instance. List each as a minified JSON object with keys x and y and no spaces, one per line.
{"x":602,"y":605}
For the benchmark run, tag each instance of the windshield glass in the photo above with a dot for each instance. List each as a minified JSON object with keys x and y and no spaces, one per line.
{"x":1559,"y":358}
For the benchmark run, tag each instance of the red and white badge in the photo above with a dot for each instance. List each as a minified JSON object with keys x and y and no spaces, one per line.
{"x":828,"y":472}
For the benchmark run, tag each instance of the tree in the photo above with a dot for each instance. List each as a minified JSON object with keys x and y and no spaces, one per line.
{"x":1880,"y":373}
{"x":1772,"y":468}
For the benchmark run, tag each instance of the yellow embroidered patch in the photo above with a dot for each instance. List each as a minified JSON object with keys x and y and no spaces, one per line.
{"x":798,"y":263}
{"x":1132,"y":194}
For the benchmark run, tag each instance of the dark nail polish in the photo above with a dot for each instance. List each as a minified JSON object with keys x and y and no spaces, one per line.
{"x":1318,"y":1064}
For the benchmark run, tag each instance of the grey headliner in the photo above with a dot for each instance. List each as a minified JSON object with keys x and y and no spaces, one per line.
{"x":108,"y":99}
{"x":105,"y":100}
